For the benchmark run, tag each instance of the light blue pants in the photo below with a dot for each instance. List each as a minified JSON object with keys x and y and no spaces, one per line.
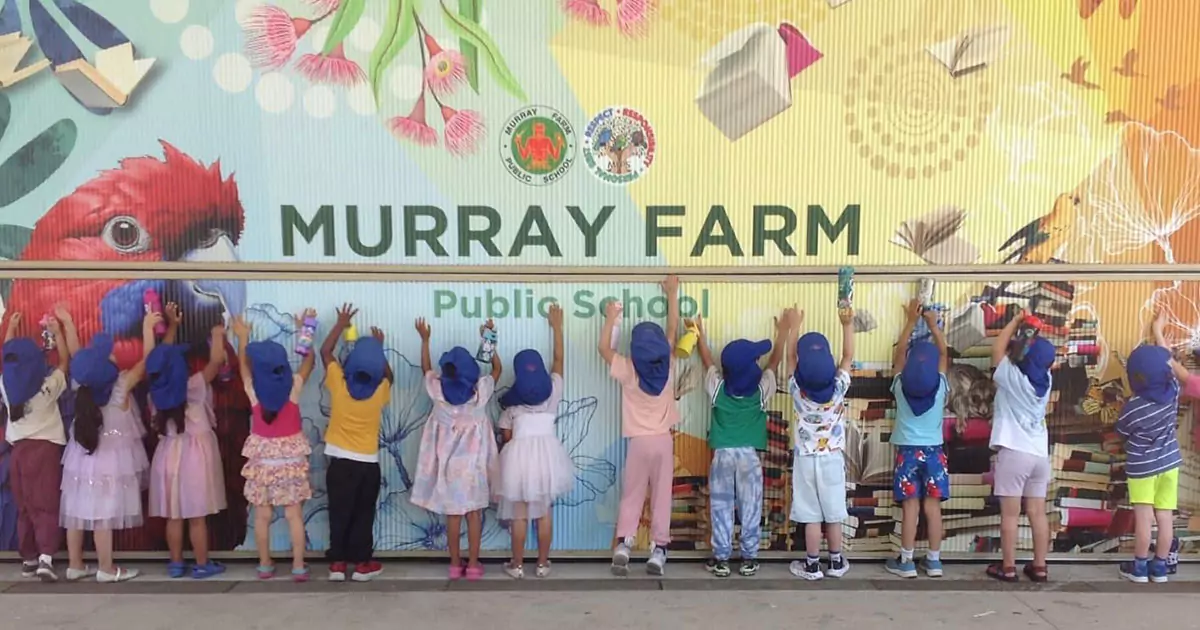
{"x":735,"y":478}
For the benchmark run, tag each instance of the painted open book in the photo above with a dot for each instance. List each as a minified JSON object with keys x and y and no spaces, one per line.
{"x":13,"y":48}
{"x":108,"y":83}
{"x":934,"y":237}
{"x":971,"y":50}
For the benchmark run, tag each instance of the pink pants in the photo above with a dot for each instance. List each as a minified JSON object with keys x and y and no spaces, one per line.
{"x":36,"y":476}
{"x":650,"y":460}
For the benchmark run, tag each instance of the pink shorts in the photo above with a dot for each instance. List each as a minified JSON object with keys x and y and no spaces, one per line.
{"x":1020,"y":474}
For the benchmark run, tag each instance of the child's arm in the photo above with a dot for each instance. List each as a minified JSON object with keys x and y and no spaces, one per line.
{"x":216,"y":353}
{"x":1181,"y":373}
{"x":1158,"y":326}
{"x":310,"y":359}
{"x":847,"y":317}
{"x":71,"y":332}
{"x":497,"y":367}
{"x":556,"y":326}
{"x":781,"y":335}
{"x":702,"y":345}
{"x":345,"y":315}
{"x":611,"y":312}
{"x":939,"y":338}
{"x":424,"y":331}
{"x":138,"y":371}
{"x":670,"y":287}
{"x":1000,"y":346}
{"x":900,"y":355}
{"x":64,"y":355}
{"x":794,"y":323}
{"x":14,"y":323}
{"x":241,"y":328}
{"x":174,"y":318}
{"x":377,"y":333}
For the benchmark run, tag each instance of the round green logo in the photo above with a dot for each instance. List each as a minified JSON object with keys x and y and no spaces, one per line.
{"x":537,"y":145}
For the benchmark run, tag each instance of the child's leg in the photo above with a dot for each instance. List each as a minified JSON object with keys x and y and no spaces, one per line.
{"x":175,"y":539}
{"x":1035,"y":511}
{"x":22,"y":486}
{"x":749,"y":492}
{"x":1143,"y":515}
{"x":833,"y":537}
{"x":295,"y":520}
{"x":75,"y":549}
{"x":454,"y":538}
{"x":812,"y":539}
{"x":545,"y":534}
{"x":198,"y":534}
{"x":662,"y":476}
{"x":362,"y":525}
{"x":341,"y":492}
{"x":933,"y":523}
{"x":474,"y":536}
{"x":104,"y":547}
{"x":262,"y":533}
{"x":722,"y":489}
{"x":633,"y":487}
{"x":1010,"y":515}
{"x":1166,"y":532}
{"x":519,"y":527}
{"x":908,"y":525}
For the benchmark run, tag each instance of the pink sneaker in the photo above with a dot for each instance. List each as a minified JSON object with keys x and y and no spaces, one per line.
{"x":455,"y":572}
{"x":474,"y":573}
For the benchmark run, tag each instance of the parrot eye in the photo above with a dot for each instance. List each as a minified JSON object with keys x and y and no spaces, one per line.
{"x":126,"y":235}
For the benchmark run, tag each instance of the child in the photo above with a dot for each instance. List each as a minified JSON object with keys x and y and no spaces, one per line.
{"x":818,"y":387}
{"x":535,"y":469}
{"x":920,"y":388}
{"x":358,"y":392}
{"x":187,"y":482}
{"x":35,"y":429}
{"x":648,"y":415}
{"x":277,"y":450}
{"x":1148,"y":424}
{"x":105,"y":465}
{"x":738,"y":390}
{"x":1020,"y":439}
{"x":458,"y":458}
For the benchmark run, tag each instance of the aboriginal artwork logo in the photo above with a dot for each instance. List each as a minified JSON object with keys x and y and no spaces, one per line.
{"x":619,"y":145}
{"x":537,"y":145}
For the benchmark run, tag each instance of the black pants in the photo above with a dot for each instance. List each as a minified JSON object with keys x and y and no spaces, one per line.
{"x":353,"y":489}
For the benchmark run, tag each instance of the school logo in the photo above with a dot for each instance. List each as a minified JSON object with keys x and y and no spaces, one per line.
{"x":537,"y":145}
{"x":619,"y":145}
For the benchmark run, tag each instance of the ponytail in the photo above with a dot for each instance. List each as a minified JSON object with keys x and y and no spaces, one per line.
{"x":170,"y":415}
{"x":268,"y":416}
{"x":88,"y":420}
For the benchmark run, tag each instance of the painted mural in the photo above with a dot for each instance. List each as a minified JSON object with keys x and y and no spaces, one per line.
{"x":575,"y":133}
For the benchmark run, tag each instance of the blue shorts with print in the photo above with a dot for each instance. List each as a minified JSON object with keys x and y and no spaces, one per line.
{"x":921,"y":472}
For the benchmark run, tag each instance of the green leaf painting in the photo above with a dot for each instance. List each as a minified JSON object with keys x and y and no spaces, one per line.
{"x":31,"y":165}
{"x":13,"y":240}
{"x":344,"y":21}
{"x":470,"y":31}
{"x":400,"y":27}
{"x":471,"y":10}
{"x":5,"y":113}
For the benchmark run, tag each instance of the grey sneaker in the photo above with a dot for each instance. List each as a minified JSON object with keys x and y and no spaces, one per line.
{"x":807,"y":570}
{"x":749,"y":568}
{"x":29,"y":569}
{"x":620,"y":560}
{"x":657,"y":564}
{"x":838,"y":568}
{"x":45,"y":570}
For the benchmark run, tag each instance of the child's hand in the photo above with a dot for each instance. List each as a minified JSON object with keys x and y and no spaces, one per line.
{"x":931,"y":317}
{"x":61,"y":312}
{"x":1160,"y":323}
{"x":377,"y":334}
{"x":1019,"y":316}
{"x":698,"y":323}
{"x":150,"y":321}
{"x":797,"y":317}
{"x":172,"y":313}
{"x":423,"y":329}
{"x":670,"y":285}
{"x":846,"y":315}
{"x":555,"y":317}
{"x":488,"y":325}
{"x":612,"y":309}
{"x":241,"y":328}
{"x":913,"y":310}
{"x":15,"y":321}
{"x":305,"y":314}
{"x":346,"y":314}
{"x":54,"y":325}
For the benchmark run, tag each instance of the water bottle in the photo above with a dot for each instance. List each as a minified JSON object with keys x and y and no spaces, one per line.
{"x":616,"y":330}
{"x":351,"y":334}
{"x":487,"y":345}
{"x":48,"y":341}
{"x":152,"y":303}
{"x":845,"y":298}
{"x":304,"y":342}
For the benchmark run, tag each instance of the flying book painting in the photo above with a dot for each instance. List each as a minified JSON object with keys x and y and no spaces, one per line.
{"x":970,"y":51}
{"x":934,"y":237}
{"x":13,"y":48}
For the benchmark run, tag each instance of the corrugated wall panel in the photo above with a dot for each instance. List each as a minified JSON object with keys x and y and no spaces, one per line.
{"x":1098,"y":322}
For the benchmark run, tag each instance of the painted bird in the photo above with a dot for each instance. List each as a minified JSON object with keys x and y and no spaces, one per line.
{"x":1042,"y":239}
{"x":147,"y":210}
{"x":1078,"y":74}
{"x":1127,"y":63}
{"x":1170,"y":100}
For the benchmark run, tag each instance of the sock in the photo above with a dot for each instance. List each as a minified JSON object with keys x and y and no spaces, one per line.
{"x":1138,"y":560}
{"x":935,"y":556}
{"x":835,"y":556}
{"x":1160,"y":558}
{"x":812,"y":559}
{"x":906,"y":555}
{"x":45,"y":558}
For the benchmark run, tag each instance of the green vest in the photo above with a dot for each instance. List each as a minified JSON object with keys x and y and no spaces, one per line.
{"x":737,"y":422}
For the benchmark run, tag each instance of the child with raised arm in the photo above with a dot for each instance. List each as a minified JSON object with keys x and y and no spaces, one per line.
{"x":1149,"y":424}
{"x":920,"y":388}
{"x":739,"y":390}
{"x":31,"y":390}
{"x":818,"y":388}
{"x":535,"y":468}
{"x":359,"y":388}
{"x":276,"y":452}
{"x":648,"y":414}
{"x":457,"y":464}
{"x":1021,"y":443}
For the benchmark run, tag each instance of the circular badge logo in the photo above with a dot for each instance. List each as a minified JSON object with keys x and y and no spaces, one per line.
{"x":618,"y":145}
{"x":537,"y":145}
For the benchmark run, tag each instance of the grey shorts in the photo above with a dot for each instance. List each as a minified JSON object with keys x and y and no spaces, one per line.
{"x":818,"y":488}
{"x":1020,"y":474}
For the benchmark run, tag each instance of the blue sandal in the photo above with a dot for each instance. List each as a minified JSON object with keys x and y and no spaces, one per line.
{"x":202,"y":571}
{"x":176,"y":570}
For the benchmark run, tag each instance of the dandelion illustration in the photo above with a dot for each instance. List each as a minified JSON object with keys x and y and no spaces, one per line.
{"x":633,"y":16}
{"x":446,"y":69}
{"x":271,"y":36}
{"x":413,"y":126}
{"x":333,"y":68}
{"x":588,"y":11}
{"x":464,"y":130}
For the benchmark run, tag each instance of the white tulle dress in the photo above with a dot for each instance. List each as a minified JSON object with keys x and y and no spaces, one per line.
{"x":535,"y":469}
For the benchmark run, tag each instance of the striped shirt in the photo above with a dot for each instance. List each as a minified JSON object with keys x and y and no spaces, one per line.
{"x":1151,"y":444}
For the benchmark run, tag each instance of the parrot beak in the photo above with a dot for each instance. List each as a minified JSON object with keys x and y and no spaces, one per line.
{"x":226,"y":297}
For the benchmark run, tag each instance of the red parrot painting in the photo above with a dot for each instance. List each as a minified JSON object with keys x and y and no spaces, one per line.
{"x":149,"y":210}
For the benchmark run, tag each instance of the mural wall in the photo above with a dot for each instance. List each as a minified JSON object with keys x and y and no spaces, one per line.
{"x":624,"y":133}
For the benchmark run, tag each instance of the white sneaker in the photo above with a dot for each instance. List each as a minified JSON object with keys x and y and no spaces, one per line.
{"x":838,"y":568}
{"x":118,"y":575}
{"x":514,"y":571}
{"x":808,"y":570}
{"x":543,"y":570}
{"x":657,"y":564}
{"x":620,"y":560}
{"x":74,"y":575}
{"x":45,"y":569}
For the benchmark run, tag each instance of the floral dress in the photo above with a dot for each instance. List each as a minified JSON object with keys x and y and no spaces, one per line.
{"x":458,"y":460}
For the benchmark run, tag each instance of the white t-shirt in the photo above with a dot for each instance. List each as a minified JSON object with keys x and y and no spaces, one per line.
{"x":550,"y":405}
{"x":821,"y":427}
{"x":1019,"y":415}
{"x":42,"y":420}
{"x":713,"y":379}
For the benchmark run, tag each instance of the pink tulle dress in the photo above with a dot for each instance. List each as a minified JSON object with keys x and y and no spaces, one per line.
{"x":186,"y":479}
